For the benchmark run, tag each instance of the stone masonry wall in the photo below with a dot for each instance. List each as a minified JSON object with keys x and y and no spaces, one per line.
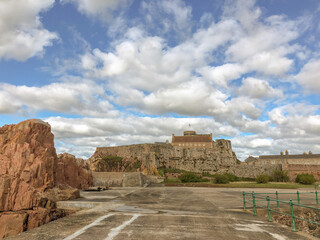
{"x":218,"y":158}
{"x":118,"y":179}
{"x":252,"y":171}
{"x":295,"y":169}
{"x":293,"y":164}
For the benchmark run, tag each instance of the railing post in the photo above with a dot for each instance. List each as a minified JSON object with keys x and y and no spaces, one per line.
{"x":317,"y":200}
{"x":298,"y":197}
{"x":269,"y":209}
{"x":293,"y":221}
{"x":277,"y":197}
{"x":244,"y":200}
{"x":254,"y":204}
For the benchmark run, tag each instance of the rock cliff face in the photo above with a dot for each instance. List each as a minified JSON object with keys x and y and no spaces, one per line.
{"x":28,"y":164}
{"x":153,"y":156}
{"x":28,"y":169}
{"x":73,"y":171}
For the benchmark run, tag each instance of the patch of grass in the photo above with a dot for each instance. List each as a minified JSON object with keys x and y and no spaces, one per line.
{"x":243,"y":185}
{"x":172,"y":180}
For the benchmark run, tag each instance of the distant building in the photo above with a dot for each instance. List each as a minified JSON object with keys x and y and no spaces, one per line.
{"x":191,"y":139}
{"x":293,"y":163}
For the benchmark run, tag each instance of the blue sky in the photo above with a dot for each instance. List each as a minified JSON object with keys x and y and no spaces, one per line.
{"x":114,"y":72}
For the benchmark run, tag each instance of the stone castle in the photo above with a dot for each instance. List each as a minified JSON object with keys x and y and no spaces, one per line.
{"x":200,"y":153}
{"x":190,"y":152}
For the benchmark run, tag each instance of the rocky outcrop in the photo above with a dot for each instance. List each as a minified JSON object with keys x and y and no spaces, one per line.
{"x":28,"y":186}
{"x":12,"y":223}
{"x":74,"y":171}
{"x":28,"y":164}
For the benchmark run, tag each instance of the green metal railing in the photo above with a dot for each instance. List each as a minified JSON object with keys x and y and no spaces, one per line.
{"x":254,"y":200}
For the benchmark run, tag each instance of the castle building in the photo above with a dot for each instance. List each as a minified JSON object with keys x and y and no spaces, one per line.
{"x":293,"y":164}
{"x":191,"y":139}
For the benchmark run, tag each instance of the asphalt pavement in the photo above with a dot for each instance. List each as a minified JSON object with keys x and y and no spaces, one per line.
{"x":161,"y":213}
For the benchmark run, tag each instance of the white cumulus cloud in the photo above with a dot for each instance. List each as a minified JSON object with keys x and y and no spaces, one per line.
{"x":309,"y":76}
{"x":22,"y":34}
{"x":257,"y":88}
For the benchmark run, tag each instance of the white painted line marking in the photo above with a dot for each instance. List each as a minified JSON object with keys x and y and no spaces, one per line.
{"x":277,"y":236}
{"x":82,"y":230}
{"x":257,"y":228}
{"x":115,"y":231}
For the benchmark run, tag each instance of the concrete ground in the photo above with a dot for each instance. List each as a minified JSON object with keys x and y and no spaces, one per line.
{"x":161,"y":213}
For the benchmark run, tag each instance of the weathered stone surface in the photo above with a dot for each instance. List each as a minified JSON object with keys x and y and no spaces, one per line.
{"x":252,"y":171}
{"x":293,"y":164}
{"x":152,"y":156}
{"x":116,"y":164}
{"x":12,"y":223}
{"x":119,"y":179}
{"x":73,"y":171}
{"x":28,"y":163}
{"x":61,"y":192}
{"x":108,"y":179}
{"x":28,"y":168}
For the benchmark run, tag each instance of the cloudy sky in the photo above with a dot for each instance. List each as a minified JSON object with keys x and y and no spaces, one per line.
{"x":115,"y":72}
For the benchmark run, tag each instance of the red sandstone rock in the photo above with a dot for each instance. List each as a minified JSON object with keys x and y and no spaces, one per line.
{"x":60,"y":193}
{"x":12,"y":223}
{"x":28,"y":167}
{"x":73,"y":171}
{"x":28,"y":163}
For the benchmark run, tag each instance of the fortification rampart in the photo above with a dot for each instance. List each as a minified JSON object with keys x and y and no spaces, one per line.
{"x":218,"y":158}
{"x":312,"y":159}
{"x":293,"y":164}
{"x":252,"y":171}
{"x":295,"y":169}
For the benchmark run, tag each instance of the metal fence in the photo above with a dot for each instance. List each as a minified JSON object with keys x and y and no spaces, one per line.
{"x":274,"y":202}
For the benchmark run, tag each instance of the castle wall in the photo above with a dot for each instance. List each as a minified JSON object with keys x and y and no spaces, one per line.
{"x":293,"y":164}
{"x":295,"y":169}
{"x":252,"y":171}
{"x":217,"y":158}
{"x":118,"y":179}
